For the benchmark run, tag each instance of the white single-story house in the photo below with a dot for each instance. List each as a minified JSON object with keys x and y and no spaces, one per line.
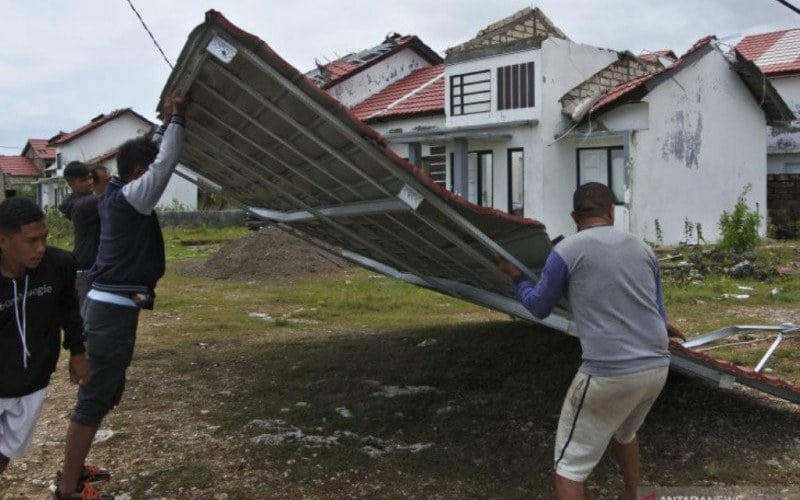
{"x":96,"y":143}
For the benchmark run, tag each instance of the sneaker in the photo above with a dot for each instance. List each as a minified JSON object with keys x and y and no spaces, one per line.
{"x":88,"y":492}
{"x":89,"y":474}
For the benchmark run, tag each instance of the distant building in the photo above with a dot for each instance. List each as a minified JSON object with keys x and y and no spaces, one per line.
{"x":17,"y":176}
{"x":96,"y":143}
{"x":777,"y":54}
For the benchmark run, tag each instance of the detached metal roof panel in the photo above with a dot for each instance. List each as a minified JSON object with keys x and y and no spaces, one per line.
{"x":270,"y":140}
{"x":276,"y":144}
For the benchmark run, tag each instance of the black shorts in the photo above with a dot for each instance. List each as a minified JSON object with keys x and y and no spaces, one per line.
{"x":110,"y":331}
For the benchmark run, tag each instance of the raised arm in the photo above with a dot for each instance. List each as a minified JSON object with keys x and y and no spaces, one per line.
{"x":143,"y":193}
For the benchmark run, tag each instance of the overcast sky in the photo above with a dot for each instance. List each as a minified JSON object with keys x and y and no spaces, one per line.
{"x":65,"y":61}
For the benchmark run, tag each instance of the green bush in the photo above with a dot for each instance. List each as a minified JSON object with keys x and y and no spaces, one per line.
{"x":59,"y":229}
{"x":739,"y":229}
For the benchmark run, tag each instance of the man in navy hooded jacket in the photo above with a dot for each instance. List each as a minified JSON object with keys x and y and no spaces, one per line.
{"x":130,"y":261}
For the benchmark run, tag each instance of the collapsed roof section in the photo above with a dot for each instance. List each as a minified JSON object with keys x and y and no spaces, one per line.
{"x":527,"y":28}
{"x":776,"y":110}
{"x":627,"y":67}
{"x":326,"y":75}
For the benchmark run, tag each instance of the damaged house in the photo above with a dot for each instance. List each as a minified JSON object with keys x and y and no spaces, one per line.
{"x":777,"y":54}
{"x":520,"y":115}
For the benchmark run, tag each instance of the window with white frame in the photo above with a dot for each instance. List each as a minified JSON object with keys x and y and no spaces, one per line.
{"x":515,"y":86}
{"x":479,"y":177}
{"x":470,"y":93}
{"x":603,"y":165}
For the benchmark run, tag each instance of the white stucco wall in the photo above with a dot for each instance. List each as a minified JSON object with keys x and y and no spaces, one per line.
{"x":551,"y":177}
{"x":550,"y":171}
{"x":408,"y":125}
{"x":783,"y":144}
{"x":102,"y":139}
{"x":789,"y":89}
{"x":373,"y":79}
{"x":704,"y":144}
{"x":491,"y":64}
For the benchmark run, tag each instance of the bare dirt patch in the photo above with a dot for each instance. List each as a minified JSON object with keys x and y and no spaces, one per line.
{"x":269,"y":254}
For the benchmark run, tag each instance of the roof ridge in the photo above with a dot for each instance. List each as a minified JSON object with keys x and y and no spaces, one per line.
{"x":534,"y":23}
{"x":626,"y":68}
{"x":767,"y":33}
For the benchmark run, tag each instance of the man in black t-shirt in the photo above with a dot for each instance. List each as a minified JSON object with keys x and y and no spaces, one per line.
{"x":37,"y":301}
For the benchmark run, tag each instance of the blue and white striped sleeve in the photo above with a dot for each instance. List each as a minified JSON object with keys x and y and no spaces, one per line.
{"x":540,"y":299}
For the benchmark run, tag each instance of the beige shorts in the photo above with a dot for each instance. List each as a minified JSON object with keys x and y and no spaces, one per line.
{"x":18,"y":418}
{"x":597,"y":408}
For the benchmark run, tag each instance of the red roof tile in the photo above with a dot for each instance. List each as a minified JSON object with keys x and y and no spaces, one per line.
{"x":421,"y":92}
{"x":616,"y":93}
{"x":775,"y":52}
{"x":339,"y":69}
{"x":18,"y":166}
{"x":40,"y":149}
{"x":64,"y":137}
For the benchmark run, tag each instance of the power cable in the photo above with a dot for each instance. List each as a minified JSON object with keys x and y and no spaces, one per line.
{"x":790,"y":6}
{"x":150,"y":33}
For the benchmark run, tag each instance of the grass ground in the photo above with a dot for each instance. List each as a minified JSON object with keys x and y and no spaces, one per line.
{"x":352,"y":385}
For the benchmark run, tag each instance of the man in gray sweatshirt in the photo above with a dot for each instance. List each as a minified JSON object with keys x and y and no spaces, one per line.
{"x":613,"y":284}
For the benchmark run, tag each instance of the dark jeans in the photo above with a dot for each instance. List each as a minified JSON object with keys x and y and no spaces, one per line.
{"x":110,"y":332}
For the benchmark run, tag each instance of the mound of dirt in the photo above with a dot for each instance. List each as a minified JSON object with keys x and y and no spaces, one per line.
{"x":269,"y":254}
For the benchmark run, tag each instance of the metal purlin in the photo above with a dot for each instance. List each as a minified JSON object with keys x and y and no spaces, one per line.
{"x":435,"y":226}
{"x":271,"y":134}
{"x":194,"y":135}
{"x":256,"y":164}
{"x":368,"y":148}
{"x":430,"y":280}
{"x":465,"y":225}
